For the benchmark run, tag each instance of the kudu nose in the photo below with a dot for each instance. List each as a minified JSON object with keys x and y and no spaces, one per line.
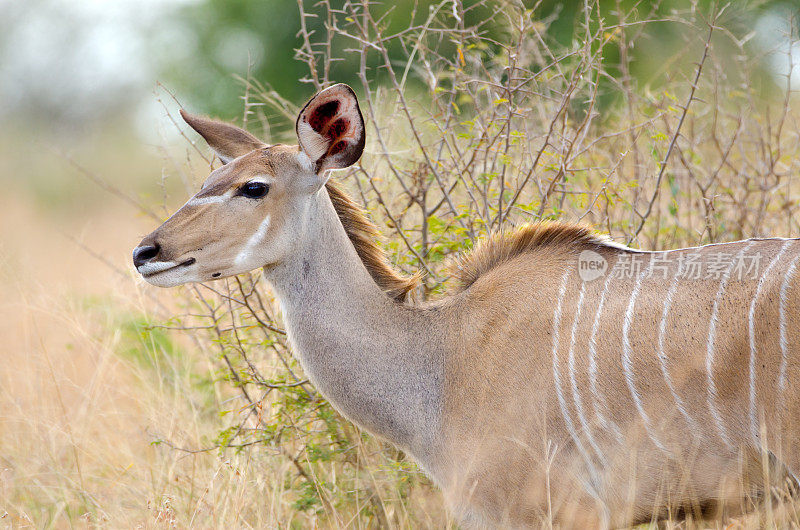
{"x":145,"y":253}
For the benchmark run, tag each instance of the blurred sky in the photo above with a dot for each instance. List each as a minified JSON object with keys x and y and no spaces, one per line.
{"x":76,"y":61}
{"x":80,"y":60}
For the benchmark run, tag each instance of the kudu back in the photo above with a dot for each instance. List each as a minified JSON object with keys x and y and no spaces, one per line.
{"x":568,"y":380}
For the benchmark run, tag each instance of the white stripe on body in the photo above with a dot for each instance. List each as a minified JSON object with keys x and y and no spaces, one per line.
{"x":608,"y":242}
{"x":754,"y":426}
{"x":787,"y":280}
{"x":627,"y":361}
{"x":721,"y":244}
{"x":575,"y":394}
{"x":694,"y":428}
{"x":594,"y":476}
{"x":712,"y":334}
{"x":598,"y":398}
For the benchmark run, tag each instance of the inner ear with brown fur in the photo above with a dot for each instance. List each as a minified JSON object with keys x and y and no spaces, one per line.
{"x":330,"y":128}
{"x":228,"y":141}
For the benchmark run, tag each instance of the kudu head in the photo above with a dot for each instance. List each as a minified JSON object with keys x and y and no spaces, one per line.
{"x":251,"y":211}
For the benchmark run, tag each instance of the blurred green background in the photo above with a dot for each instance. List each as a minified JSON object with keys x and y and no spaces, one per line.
{"x":75,"y":64}
{"x":91,"y":80}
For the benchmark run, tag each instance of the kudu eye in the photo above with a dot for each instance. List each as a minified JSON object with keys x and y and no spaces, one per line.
{"x":254,"y":190}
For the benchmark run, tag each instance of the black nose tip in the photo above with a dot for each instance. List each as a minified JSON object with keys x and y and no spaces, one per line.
{"x":145,"y":253}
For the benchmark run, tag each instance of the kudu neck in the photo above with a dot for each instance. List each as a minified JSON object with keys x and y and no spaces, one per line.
{"x":323,"y":273}
{"x":377,"y":361}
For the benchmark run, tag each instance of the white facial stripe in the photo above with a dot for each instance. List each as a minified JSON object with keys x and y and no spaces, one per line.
{"x":627,"y":361}
{"x":252,"y":243}
{"x":754,"y":430}
{"x":154,"y":267}
{"x":712,"y":335}
{"x":213,"y":199}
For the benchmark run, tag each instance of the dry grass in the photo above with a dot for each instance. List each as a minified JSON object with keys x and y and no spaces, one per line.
{"x":123,"y":405}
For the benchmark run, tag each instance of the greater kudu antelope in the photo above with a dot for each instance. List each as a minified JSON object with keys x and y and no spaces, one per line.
{"x":569,"y":378}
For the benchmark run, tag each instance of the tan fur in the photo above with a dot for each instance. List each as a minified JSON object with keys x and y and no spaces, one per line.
{"x":228,"y":142}
{"x":513,"y":453}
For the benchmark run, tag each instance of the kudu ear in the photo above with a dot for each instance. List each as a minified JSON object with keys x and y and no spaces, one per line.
{"x":227,"y":140}
{"x":330,"y":128}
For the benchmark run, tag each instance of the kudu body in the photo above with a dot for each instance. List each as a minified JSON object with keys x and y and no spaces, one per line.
{"x":569,"y":379}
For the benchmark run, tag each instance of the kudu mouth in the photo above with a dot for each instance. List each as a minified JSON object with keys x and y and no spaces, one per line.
{"x":152,"y":269}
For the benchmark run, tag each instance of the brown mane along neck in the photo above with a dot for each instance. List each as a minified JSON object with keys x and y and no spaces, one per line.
{"x":503,"y":246}
{"x":496,"y":249}
{"x":365,"y":236}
